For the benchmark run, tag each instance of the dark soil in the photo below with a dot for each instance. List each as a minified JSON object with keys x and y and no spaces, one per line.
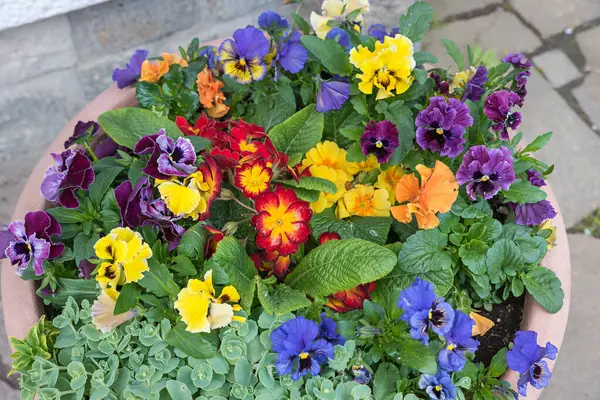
{"x":507,"y":317}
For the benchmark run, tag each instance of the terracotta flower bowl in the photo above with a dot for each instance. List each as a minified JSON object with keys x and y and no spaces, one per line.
{"x":22,"y":307}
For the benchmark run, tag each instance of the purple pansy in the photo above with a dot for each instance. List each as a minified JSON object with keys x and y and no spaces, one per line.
{"x":424,"y":310}
{"x":518,"y":60}
{"x":527,"y":358}
{"x":331,"y":95}
{"x":362,"y":375}
{"x":212,"y":56}
{"x":339,"y":36}
{"x":85,"y":269}
{"x":271,"y":21}
{"x":243,"y":56}
{"x":438,"y":386}
{"x":299,"y":350}
{"x":167,"y":157}
{"x":441,"y":86}
{"x":379,"y":32}
{"x":31,"y":240}
{"x":381,"y":139}
{"x":458,"y":341}
{"x":486,"y":171}
{"x":441,"y":126}
{"x":128,"y":75}
{"x":474,"y":88}
{"x":535,"y":178}
{"x":498,"y":108}
{"x":291,"y":54}
{"x":82,"y":129}
{"x":72,"y":171}
{"x":531,"y":214}
{"x":139,"y":208}
{"x":522,"y":78}
{"x":328,"y":331}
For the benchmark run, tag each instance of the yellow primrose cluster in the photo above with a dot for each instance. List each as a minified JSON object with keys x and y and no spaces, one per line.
{"x":327,"y":161}
{"x":202,"y":311}
{"x":388,"y":67}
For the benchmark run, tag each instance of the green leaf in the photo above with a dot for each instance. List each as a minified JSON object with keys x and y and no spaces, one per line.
{"x":198,"y":142}
{"x":232,"y":258}
{"x":302,"y":23}
{"x":271,"y":112}
{"x":545,"y":287}
{"x":66,"y":215}
{"x":284,"y":88}
{"x":148,"y":94}
{"x":101,"y":184}
{"x":183,"y":266}
{"x":83,"y":246}
{"x":193,"y":242}
{"x":477,"y":210}
{"x":352,"y":132}
{"x":486,"y":230}
{"x":128,"y":297}
{"x":374,"y":229}
{"x":157,"y":280}
{"x":312,"y":183}
{"x":299,"y":133}
{"x":332,"y":55}
{"x":454,"y":52}
{"x":421,"y":75}
{"x":498,"y":365}
{"x":538,"y":143}
{"x":422,"y":57}
{"x":341,"y":265}
{"x":503,"y":258}
{"x":178,"y":390}
{"x":424,"y":251}
{"x":282,"y":300}
{"x":415,"y":355}
{"x":79,"y":289}
{"x":385,"y":380}
{"x":416,"y":22}
{"x":354,"y":153}
{"x":197,"y":345}
{"x":473,"y":255}
{"x":135,"y":172}
{"x":402,"y":117}
{"x":307,"y":195}
{"x":524,"y":192}
{"x":127,"y":126}
{"x":360,"y":104}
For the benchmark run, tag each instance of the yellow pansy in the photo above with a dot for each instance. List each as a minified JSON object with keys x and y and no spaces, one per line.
{"x":461,"y":78}
{"x":201,"y":311}
{"x":388,"y":180}
{"x":329,"y":154}
{"x":550,"y":240}
{"x":103,"y":312}
{"x":327,"y":200}
{"x":337,"y":10}
{"x":125,"y":257}
{"x":364,"y":201}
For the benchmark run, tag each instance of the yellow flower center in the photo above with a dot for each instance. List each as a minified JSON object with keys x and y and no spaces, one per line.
{"x":379,"y":144}
{"x":438,"y":388}
{"x":430,"y":314}
{"x":245,"y":146}
{"x":451,"y":347}
{"x":439,"y":131}
{"x":304,"y":355}
{"x":485,"y":178}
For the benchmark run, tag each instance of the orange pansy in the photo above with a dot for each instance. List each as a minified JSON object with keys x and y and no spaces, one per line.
{"x":436,"y":193}
{"x":153,"y":70}
{"x":211,"y":95}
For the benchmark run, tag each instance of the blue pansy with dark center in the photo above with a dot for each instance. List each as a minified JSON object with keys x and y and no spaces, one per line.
{"x":527,"y":358}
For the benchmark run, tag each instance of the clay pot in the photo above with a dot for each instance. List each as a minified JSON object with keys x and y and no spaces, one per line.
{"x":22,"y":307}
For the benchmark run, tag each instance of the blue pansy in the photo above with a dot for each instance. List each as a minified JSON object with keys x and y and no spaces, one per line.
{"x":424,"y":310}
{"x":299,"y":350}
{"x":458,"y":340}
{"x":243,"y":56}
{"x":271,"y":21}
{"x":291,"y":54}
{"x":128,"y":75}
{"x":379,"y":32}
{"x":438,"y":386}
{"x":331,"y":95}
{"x":527,"y":358}
{"x":328,"y":331}
{"x":339,"y":36}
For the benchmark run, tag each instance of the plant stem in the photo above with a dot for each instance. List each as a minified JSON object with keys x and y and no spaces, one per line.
{"x":243,"y":205}
{"x":89,"y":149}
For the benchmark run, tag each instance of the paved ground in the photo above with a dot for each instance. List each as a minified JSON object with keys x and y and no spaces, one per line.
{"x":55,"y":66}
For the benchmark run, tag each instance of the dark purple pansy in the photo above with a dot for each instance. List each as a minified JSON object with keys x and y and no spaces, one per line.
{"x":531,"y":214}
{"x":498,"y":108}
{"x":381,"y":139}
{"x":168,"y":158}
{"x":291,"y":54}
{"x":31,"y":241}
{"x":518,"y":60}
{"x":441,"y":86}
{"x":535,"y":178}
{"x":72,"y":171}
{"x":87,"y":129}
{"x":331,"y":95}
{"x":271,"y":21}
{"x":379,"y":32}
{"x":522,"y":77}
{"x":486,"y":171}
{"x":128,"y":75}
{"x":85,"y":269}
{"x":139,"y":208}
{"x":441,"y":126}
{"x":339,"y":36}
{"x":474,"y":88}
{"x":527,"y":358}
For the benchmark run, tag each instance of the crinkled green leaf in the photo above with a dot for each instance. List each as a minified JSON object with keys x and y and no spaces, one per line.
{"x":312,"y":183}
{"x":545,"y":287}
{"x":374,"y":229}
{"x":193,"y":242}
{"x":197,"y":345}
{"x":332,"y":55}
{"x":281,"y":300}
{"x":473,"y":255}
{"x":503,"y":258}
{"x":232,"y":258}
{"x":299,"y":133}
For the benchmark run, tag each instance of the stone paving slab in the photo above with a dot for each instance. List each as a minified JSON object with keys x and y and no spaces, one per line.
{"x":576,"y":371}
{"x":444,"y":8}
{"x":557,"y":67}
{"x":589,"y":43}
{"x":588,"y":96}
{"x":554,"y":16}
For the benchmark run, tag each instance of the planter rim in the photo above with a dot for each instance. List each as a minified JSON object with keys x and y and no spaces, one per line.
{"x":22,"y":307}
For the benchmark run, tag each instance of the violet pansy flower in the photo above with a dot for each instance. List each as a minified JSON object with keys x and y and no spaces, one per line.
{"x":458,"y":341}
{"x":299,"y":350}
{"x":31,"y":241}
{"x":518,"y":60}
{"x":128,"y":75}
{"x":527,"y":358}
{"x":522,"y":78}
{"x":379,"y":32}
{"x":531,"y":214}
{"x":72,"y":171}
{"x":212,"y":56}
{"x":474,"y":88}
{"x":331,"y":95}
{"x":535,"y":178}
{"x":425,"y":311}
{"x":380,"y":139}
{"x":486,"y":171}
{"x":328,"y":331}
{"x":82,"y":129}
{"x":498,"y":108}
{"x":167,"y":157}
{"x":339,"y":36}
{"x":291,"y":54}
{"x":438,"y":386}
{"x":243,"y":56}
{"x":442,"y":125}
{"x":271,"y":21}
